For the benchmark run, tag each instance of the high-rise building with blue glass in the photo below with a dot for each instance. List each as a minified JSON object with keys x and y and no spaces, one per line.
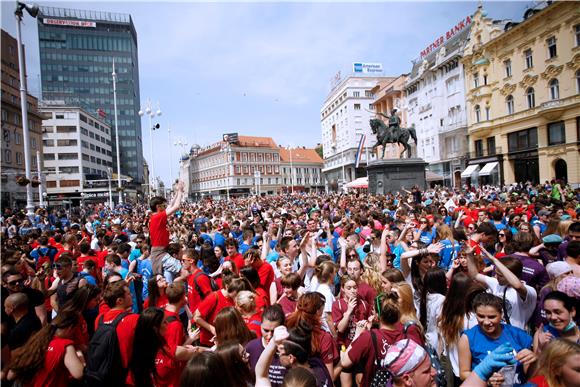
{"x":77,"y":49}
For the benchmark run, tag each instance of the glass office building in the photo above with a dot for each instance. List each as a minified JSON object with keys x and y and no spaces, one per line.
{"x":77,"y":48}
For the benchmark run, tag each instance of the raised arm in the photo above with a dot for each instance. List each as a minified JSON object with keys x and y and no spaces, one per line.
{"x":176,"y":202}
{"x":510,"y":277}
{"x":384,"y":248}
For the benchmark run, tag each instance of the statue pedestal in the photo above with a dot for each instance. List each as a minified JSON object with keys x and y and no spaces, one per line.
{"x":390,"y":175}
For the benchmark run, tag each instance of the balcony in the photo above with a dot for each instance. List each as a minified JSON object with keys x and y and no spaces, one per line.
{"x":497,"y":151}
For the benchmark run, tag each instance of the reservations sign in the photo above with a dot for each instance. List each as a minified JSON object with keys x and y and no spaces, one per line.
{"x":437,"y":43}
{"x":70,"y":23}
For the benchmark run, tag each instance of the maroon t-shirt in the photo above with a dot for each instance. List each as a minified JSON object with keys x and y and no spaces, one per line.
{"x":288,"y":305}
{"x":362,"y":350}
{"x":367,"y":293}
{"x":362,"y":311}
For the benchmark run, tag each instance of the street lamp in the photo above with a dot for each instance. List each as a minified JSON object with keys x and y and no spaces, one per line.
{"x":114,"y":74}
{"x":151,"y":113}
{"x":227,"y":149}
{"x":109,"y":174}
{"x":32,"y":11}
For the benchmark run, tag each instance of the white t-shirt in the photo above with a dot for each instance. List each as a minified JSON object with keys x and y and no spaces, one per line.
{"x":518,"y":310}
{"x":434,"y":306}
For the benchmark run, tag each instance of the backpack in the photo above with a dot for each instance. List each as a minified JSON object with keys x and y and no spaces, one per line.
{"x":104,"y":365}
{"x":440,"y":378}
{"x":382,"y":376}
{"x":42,"y":258}
{"x":170,"y":319}
{"x":214,"y":286}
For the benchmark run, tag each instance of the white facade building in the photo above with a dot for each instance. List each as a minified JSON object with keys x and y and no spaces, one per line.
{"x":77,"y":150}
{"x":345,"y":117}
{"x":436,"y":104}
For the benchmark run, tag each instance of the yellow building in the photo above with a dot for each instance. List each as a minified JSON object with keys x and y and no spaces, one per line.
{"x":523,"y":102}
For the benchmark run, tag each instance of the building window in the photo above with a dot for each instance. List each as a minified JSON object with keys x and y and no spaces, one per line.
{"x":578,"y":81}
{"x":523,"y":140}
{"x":487,"y":113}
{"x":529,"y":58}
{"x":357,"y":106}
{"x":556,"y":133}
{"x":477,"y":113}
{"x":491,"y":146}
{"x":509,"y":101}
{"x":6,"y":135}
{"x":17,"y":138}
{"x":476,"y":80}
{"x":4,"y":113}
{"x":68,"y":156}
{"x":356,"y":94}
{"x":508,"y":67}
{"x":577,"y":34}
{"x":7,"y":156}
{"x":48,"y":156}
{"x":552,"y":51}
{"x":478,"y":148}
{"x":530,"y":97}
{"x":554,"y":89}
{"x":19,"y":158}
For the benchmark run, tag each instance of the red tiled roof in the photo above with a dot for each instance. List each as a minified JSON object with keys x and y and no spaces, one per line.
{"x":300,"y":155}
{"x":257,"y":142}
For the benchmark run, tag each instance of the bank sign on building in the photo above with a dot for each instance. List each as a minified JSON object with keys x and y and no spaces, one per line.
{"x":436,"y":103}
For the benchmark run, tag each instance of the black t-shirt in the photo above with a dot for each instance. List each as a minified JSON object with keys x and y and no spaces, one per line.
{"x":35,"y":298}
{"x":23,"y":330}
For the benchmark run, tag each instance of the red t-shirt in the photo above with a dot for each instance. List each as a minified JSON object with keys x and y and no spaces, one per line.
{"x":167,"y":367}
{"x":362,"y":349}
{"x":208,"y":309}
{"x":101,"y":256}
{"x":54,"y":372}
{"x":158,"y":230}
{"x":266,"y":273}
{"x":161,"y":302}
{"x":203,"y":283}
{"x":367,"y":293}
{"x":254,"y":322}
{"x":262,"y":299}
{"x":83,"y":258}
{"x":238,"y":260}
{"x":474,"y":245}
{"x":125,"y":332}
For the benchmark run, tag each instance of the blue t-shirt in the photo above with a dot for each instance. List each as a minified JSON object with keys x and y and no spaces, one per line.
{"x":244,"y":247}
{"x":145,"y":269}
{"x":89,"y":278}
{"x":50,"y":252}
{"x":398,"y":250}
{"x":448,"y":253}
{"x":136,"y":253}
{"x":237,"y":235}
{"x":481,"y":345}
{"x":219,"y":240}
{"x":427,"y":237}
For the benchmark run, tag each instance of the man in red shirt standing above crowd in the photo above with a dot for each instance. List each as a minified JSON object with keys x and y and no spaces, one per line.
{"x":158,"y":232}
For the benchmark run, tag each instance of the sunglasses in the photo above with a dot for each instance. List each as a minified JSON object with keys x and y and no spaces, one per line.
{"x":57,"y":266}
{"x":423,"y":221}
{"x":353,"y":255}
{"x":501,"y":235}
{"x":16,"y":282}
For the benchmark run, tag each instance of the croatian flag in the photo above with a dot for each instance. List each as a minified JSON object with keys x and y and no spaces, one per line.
{"x":359,"y":150}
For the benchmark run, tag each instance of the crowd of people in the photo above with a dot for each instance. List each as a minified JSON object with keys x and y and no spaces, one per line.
{"x":438,"y":287}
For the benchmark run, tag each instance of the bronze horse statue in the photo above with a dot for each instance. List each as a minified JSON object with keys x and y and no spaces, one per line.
{"x":386,"y":135}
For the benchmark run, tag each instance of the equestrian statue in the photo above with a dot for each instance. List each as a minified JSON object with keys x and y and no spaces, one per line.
{"x":393,"y":134}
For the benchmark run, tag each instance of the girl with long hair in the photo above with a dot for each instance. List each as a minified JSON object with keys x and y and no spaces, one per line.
{"x":408,"y":312}
{"x":148,"y":342}
{"x":348,"y":310}
{"x":504,"y":237}
{"x":323,"y":282}
{"x":371,"y":274}
{"x":236,"y":358}
{"x":431,"y":303}
{"x":230,"y":326}
{"x":309,"y":310}
{"x":156,"y":287}
{"x":455,"y":317}
{"x":558,"y":365}
{"x":49,"y":357}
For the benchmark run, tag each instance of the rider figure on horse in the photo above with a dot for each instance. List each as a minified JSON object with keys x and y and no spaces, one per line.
{"x":394,"y":124}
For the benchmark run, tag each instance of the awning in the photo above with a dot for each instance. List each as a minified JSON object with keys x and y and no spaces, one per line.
{"x":488,"y":168}
{"x":432,"y":176}
{"x":469,"y":170}
{"x":361,"y":182}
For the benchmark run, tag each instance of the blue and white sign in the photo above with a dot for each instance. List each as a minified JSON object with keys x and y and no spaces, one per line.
{"x":367,"y":68}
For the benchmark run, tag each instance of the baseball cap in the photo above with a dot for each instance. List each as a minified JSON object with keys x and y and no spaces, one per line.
{"x":404,"y":356}
{"x":544,"y":213}
{"x":552,"y":239}
{"x":556,"y":269}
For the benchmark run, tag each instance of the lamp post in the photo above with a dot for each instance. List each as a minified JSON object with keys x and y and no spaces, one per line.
{"x":32,"y":11}
{"x":226,"y":149}
{"x":151,"y":113}
{"x":40,"y":197}
{"x":114,"y":74}
{"x":109,"y":174}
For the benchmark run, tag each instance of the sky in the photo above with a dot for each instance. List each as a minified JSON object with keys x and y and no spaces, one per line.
{"x":258,"y":68}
